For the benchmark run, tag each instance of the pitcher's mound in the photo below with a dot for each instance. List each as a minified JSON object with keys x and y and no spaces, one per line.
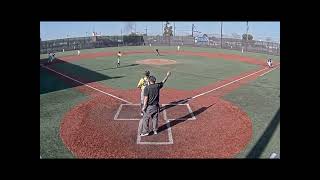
{"x":157,"y":61}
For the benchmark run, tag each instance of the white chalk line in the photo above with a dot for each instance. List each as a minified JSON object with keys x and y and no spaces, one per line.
{"x":189,"y":109}
{"x":168,"y":126}
{"x":87,"y":85}
{"x":270,"y":70}
{"x":118,"y":112}
{"x":155,"y":143}
{"x":228,"y":83}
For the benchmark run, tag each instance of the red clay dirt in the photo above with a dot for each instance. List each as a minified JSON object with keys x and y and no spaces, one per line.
{"x":221,"y":129}
{"x":90,"y":131}
{"x":157,"y":61}
{"x":233,"y":57}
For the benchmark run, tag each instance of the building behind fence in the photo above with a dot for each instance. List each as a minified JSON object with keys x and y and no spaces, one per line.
{"x":67,"y":44}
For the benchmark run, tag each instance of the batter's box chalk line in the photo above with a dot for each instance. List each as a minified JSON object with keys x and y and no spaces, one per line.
{"x":189,"y":109}
{"x":120,"y":108}
{"x":116,"y":117}
{"x":170,"y":139}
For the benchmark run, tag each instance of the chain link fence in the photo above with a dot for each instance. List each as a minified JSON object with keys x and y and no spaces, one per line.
{"x":246,"y":46}
{"x":224,"y":43}
{"x":59,"y":45}
{"x":67,"y":44}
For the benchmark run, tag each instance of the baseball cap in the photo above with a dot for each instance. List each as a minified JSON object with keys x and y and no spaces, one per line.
{"x":152,"y":78}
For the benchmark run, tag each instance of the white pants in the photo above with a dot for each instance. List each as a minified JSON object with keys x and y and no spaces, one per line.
{"x":269,"y":64}
{"x":178,"y":48}
{"x":78,"y":53}
{"x":142,"y":95}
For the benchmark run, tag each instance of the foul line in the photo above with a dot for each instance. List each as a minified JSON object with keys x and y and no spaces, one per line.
{"x":227,"y":84}
{"x":87,"y":85}
{"x":270,"y":70}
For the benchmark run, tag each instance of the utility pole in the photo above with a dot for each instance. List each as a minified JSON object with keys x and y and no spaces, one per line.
{"x":247,"y":36}
{"x":162,"y":28}
{"x":121,"y":36}
{"x":174,"y":29}
{"x":68,"y":40}
{"x":146,"y":30}
{"x":221,"y":35}
{"x":192,"y":30}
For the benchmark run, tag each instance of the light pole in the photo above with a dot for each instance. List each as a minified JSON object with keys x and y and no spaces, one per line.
{"x":247,"y":37}
{"x":68,"y":40}
{"x":121,"y":36}
{"x":146,"y":30}
{"x":162,"y":28}
{"x":192,"y":28}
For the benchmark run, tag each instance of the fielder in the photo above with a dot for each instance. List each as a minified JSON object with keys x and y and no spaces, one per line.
{"x":269,"y":62}
{"x":51,"y":57}
{"x":178,"y":47}
{"x":142,"y":84}
{"x":158,"y":54}
{"x":119,"y":55}
{"x":78,"y":52}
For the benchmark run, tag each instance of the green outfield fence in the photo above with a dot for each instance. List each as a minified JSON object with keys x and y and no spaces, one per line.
{"x":67,"y":44}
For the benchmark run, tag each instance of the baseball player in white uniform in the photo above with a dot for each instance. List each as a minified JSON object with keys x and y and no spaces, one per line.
{"x":78,"y":52}
{"x":119,"y":55}
{"x":269,"y":62}
{"x":51,"y":57}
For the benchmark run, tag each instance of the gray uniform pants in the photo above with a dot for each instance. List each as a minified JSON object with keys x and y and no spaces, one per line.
{"x":142,"y":97}
{"x":152,"y":112}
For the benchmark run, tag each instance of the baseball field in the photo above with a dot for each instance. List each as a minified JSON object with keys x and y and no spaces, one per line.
{"x":216,"y":104}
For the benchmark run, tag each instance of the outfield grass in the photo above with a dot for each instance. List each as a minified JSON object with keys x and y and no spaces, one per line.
{"x":261,"y":100}
{"x":56,"y":98}
{"x":190,"y":72}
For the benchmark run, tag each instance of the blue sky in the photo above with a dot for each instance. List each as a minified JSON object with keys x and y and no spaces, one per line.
{"x":56,"y":30}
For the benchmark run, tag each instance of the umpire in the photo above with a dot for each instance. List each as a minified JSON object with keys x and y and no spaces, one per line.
{"x":151,"y":105}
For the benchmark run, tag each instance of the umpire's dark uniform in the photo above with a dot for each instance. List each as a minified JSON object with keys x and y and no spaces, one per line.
{"x":152,"y":111}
